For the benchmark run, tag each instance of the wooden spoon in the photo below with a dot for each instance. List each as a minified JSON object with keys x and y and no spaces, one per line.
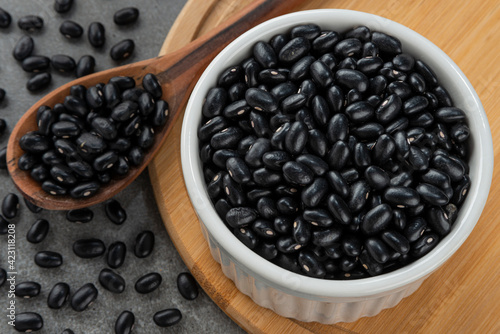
{"x":177,"y":72}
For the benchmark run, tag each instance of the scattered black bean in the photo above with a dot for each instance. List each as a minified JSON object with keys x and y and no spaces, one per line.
{"x":187,"y":286}
{"x":81,"y":216}
{"x":116,"y":254}
{"x":111,"y":281}
{"x":28,"y":322}
{"x":148,"y":283}
{"x":23,"y":48}
{"x":5,"y":18}
{"x":85,"y":66}
{"x":115,"y":212}
{"x":71,"y":29}
{"x":63,"y":6}
{"x":126,"y":16}
{"x":4,"y":226}
{"x":10,"y":206}
{"x":38,"y":231}
{"x":122,"y":50}
{"x":96,"y":34}
{"x":27,"y":289}
{"x":89,"y":248}
{"x":38,"y":82}
{"x":124,"y":323}
{"x":48,"y":259}
{"x":168,"y":317}
{"x":58,"y":295}
{"x":30,"y":23}
{"x":83,"y":297}
{"x":144,"y":244}
{"x":63,"y":63}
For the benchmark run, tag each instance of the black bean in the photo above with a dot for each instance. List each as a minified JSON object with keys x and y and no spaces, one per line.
{"x":295,"y":49}
{"x":359,"y":112}
{"x":396,"y":241}
{"x":318,"y":217}
{"x":438,"y":221}
{"x":168,"y":317}
{"x":71,"y":29}
{"x":368,"y":262}
{"x":23,"y":48}
{"x":32,"y":207}
{"x":111,"y":281}
{"x":27,"y":289}
{"x":246,"y":236}
{"x":85,"y":189}
{"x":81,"y":216}
{"x":124,"y":323}
{"x":144,"y":244}
{"x":402,"y":197}
{"x":96,"y":34}
{"x":310,"y":265}
{"x":348,"y":47}
{"x":89,"y":248}
{"x":460,"y":132}
{"x":386,"y":43}
{"x":321,"y":74}
{"x":122,"y":50}
{"x":377,"y":249}
{"x":449,"y":166}
{"x":377,"y":219}
{"x":58,"y":295}
{"x":85,"y":66}
{"x":301,"y":231}
{"x":48,"y":259}
{"x":148,"y":283}
{"x":414,"y":229}
{"x":424,"y":244}
{"x":297,"y":173}
{"x":264,"y":54}
{"x":352,"y":79}
{"x":339,"y":209}
{"x":116,"y":254}
{"x":126,"y":16}
{"x":10,"y":205}
{"x":28,"y":322}
{"x":26,"y":162}
{"x":30,"y":23}
{"x":432,"y":194}
{"x":38,"y":82}
{"x":67,"y":331}
{"x":63,"y":6}
{"x":300,"y":70}
{"x":338,"y":156}
{"x":368,"y":131}
{"x":187,"y":286}
{"x":352,"y":245}
{"x":315,"y":163}
{"x":63,"y":63}
{"x":5,"y":18}
{"x":160,"y":113}
{"x":240,"y":216}
{"x":84,"y":297}
{"x":377,"y":177}
{"x":38,"y":231}
{"x":428,"y":74}
{"x":461,"y":190}
{"x":338,"y":183}
{"x":261,"y":100}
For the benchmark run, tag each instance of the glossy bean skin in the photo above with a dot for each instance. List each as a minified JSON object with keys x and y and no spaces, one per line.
{"x":71,"y":29}
{"x":402,"y":196}
{"x":58,"y":295}
{"x":30,"y":23}
{"x":144,"y":244}
{"x":63,"y":63}
{"x":377,"y":219}
{"x":125,"y":323}
{"x":148,"y":283}
{"x":38,"y":231}
{"x":167,"y":317}
{"x":23,"y":48}
{"x":28,"y":322}
{"x":48,"y":259}
{"x":111,"y":281}
{"x":84,"y":297}
{"x":122,"y":50}
{"x":187,"y":286}
{"x":10,"y":206}
{"x":85,"y":66}
{"x":295,"y":49}
{"x":82,"y":216}
{"x":339,"y":209}
{"x":38,"y":82}
{"x":126,"y":16}
{"x":352,"y":79}
{"x":89,"y":248}
{"x":117,"y":252}
{"x":96,"y":34}
{"x":27,"y":289}
{"x":310,"y":265}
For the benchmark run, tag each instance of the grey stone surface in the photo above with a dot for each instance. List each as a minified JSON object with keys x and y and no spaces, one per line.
{"x":200,"y":315}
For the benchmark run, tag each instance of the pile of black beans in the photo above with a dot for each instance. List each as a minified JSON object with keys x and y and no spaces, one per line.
{"x":79,"y":299}
{"x":334,"y":155}
{"x":96,"y":33}
{"x":94,"y":135}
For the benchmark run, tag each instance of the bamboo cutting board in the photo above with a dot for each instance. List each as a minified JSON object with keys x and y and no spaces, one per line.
{"x":463,"y":296}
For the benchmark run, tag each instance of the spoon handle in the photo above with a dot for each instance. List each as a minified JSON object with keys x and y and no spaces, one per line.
{"x":189,"y":61}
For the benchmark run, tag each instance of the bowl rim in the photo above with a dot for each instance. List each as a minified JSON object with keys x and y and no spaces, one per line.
{"x":320,"y":288}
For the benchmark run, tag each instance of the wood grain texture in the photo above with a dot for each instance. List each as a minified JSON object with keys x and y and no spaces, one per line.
{"x":463,"y":295}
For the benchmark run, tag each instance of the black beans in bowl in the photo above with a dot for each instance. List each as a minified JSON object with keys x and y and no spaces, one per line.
{"x":334,"y":155}
{"x":95,"y":135}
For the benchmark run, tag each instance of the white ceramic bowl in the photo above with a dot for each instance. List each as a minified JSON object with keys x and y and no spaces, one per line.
{"x":311,"y":299}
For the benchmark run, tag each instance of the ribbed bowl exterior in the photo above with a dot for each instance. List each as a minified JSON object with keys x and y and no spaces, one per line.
{"x":328,"y":311}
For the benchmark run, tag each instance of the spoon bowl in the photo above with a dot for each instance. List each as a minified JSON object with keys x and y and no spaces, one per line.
{"x":177,"y":73}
